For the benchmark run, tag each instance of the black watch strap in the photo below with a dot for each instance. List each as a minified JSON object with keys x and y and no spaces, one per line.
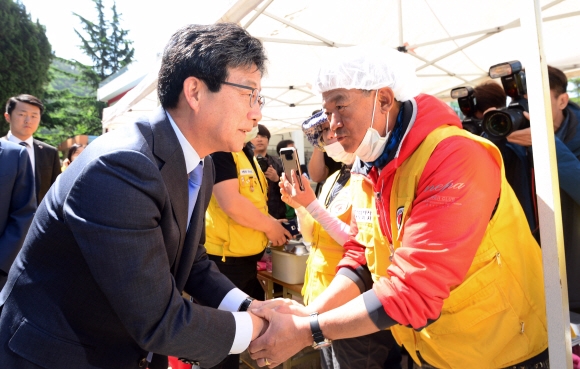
{"x":315,"y":328}
{"x":246,"y":304}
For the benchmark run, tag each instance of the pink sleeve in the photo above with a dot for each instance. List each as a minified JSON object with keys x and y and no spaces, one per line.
{"x":456,"y":195}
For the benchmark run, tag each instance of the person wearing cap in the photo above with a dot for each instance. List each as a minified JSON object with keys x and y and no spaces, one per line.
{"x":450,"y":264}
{"x":324,"y":223}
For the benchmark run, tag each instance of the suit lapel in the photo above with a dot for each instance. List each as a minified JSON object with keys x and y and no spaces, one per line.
{"x":167,"y":148}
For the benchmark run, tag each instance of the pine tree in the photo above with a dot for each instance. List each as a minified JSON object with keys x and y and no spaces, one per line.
{"x":105,"y":43}
{"x":25,"y":55}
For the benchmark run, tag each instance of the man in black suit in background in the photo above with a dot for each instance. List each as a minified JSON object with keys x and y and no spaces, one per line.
{"x":23,"y":113}
{"x":17,"y":203}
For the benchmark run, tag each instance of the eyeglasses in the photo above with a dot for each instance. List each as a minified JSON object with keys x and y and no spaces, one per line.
{"x":254,"y":96}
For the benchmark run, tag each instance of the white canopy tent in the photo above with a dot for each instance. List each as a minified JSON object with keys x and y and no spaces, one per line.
{"x":451,"y":43}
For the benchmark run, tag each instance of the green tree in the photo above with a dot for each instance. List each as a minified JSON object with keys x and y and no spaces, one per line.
{"x":575,"y":90}
{"x":105,"y":43}
{"x":25,"y":55}
{"x":70,"y":105}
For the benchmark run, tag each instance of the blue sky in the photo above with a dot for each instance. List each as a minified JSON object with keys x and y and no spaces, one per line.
{"x":150,"y":23}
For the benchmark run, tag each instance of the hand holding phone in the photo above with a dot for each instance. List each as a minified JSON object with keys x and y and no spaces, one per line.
{"x":290,"y":162}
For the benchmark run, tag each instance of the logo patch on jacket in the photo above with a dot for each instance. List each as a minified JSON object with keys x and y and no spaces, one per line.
{"x":400,"y":212}
{"x":363,"y":215}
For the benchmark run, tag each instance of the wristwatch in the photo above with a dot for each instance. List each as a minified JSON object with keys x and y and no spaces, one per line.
{"x":319,"y":340}
{"x":246,"y":304}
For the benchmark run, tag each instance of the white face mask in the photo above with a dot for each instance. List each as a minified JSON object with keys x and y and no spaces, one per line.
{"x":336,"y":152}
{"x":372,"y":145}
{"x":251,"y":134}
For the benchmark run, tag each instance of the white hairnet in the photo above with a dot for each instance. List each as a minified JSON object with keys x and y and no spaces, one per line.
{"x":369,"y":67}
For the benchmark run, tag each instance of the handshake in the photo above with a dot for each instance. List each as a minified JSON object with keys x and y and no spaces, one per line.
{"x":281,"y":329}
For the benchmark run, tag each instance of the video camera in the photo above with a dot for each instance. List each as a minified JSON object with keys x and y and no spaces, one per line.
{"x":467,"y":102}
{"x":263,"y":162}
{"x":500,"y":123}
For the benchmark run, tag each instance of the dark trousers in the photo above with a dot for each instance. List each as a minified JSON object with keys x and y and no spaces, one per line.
{"x":243,"y":272}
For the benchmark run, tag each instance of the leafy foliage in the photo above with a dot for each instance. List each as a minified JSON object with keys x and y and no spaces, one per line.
{"x":575,"y":90}
{"x":25,"y":55}
{"x":71,"y":106}
{"x":105,"y":43}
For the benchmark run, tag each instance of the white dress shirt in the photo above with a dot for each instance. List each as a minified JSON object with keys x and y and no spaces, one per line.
{"x":233,"y":299}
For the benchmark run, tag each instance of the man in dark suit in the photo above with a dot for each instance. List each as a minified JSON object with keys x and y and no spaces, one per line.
{"x":17,"y":203}
{"x":99,"y":280}
{"x":23,"y":113}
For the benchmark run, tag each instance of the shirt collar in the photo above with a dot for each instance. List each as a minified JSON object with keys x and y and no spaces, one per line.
{"x":15,"y":139}
{"x":192,"y":159}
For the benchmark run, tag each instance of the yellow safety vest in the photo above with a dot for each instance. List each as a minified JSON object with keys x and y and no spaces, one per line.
{"x":497,"y":316}
{"x":226,"y":237}
{"x":325,"y":252}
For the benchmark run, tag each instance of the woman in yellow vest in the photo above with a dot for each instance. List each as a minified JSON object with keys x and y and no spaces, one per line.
{"x":324,"y":223}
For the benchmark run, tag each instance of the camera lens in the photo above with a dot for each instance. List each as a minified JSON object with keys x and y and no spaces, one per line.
{"x":499,"y":124}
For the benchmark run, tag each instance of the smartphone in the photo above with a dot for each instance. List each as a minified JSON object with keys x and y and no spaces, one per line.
{"x":290,"y":162}
{"x":292,"y":227}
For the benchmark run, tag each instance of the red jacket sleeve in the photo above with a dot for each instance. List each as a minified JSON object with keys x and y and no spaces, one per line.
{"x":443,"y":231}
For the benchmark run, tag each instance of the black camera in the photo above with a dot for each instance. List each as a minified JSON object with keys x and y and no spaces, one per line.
{"x":263,"y":163}
{"x":467,"y":102}
{"x":500,"y":123}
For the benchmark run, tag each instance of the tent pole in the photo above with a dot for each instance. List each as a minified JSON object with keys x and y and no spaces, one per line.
{"x":547,"y":188}
{"x":401,"y":40}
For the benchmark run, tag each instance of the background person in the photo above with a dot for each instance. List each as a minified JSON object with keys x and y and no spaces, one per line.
{"x":121,"y":232}
{"x":518,"y":162}
{"x":276,"y":206}
{"x":17,"y":203}
{"x":73,"y":152}
{"x":23,"y":113}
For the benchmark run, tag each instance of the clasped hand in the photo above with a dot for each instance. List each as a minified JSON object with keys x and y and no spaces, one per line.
{"x":287,"y":331}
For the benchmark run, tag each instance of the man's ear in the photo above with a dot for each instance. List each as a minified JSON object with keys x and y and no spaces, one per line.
{"x":563,"y":101}
{"x":193,"y":88}
{"x":386,"y":99}
{"x":7,"y":117}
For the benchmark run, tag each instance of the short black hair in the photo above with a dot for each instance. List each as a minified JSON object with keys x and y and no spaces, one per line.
{"x":263,"y":131}
{"x":206,"y":52}
{"x":489,"y":95}
{"x":282,"y":144}
{"x":558,"y":80}
{"x":25,"y":98}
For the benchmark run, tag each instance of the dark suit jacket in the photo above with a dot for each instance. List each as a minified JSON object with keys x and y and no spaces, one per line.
{"x":46,"y":167}
{"x":99,"y":279}
{"x":17,"y":202}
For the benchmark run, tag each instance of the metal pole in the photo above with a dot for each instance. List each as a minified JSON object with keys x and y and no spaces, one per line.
{"x":401,"y":40}
{"x":547,"y":188}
